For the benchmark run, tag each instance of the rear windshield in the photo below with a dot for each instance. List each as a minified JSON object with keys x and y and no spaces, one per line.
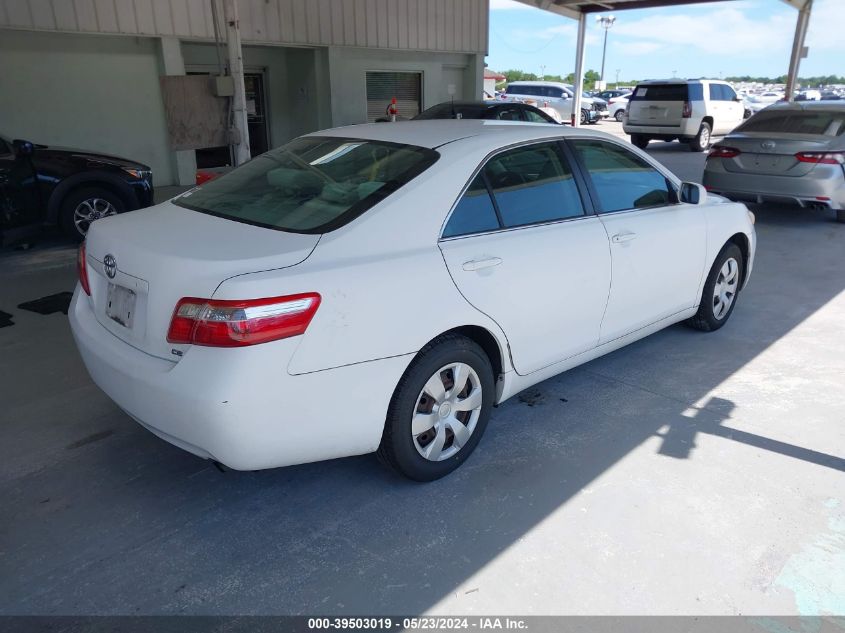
{"x":813,"y":123}
{"x":312,"y":184}
{"x":454,"y":111}
{"x":667,"y":92}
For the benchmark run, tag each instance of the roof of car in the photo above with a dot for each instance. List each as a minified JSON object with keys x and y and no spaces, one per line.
{"x":436,"y":132}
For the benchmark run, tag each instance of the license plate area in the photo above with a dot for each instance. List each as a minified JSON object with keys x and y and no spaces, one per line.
{"x":120,"y":305}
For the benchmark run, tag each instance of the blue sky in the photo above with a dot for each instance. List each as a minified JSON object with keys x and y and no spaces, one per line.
{"x":739,"y":37}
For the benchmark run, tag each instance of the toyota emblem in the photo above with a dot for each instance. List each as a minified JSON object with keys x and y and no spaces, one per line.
{"x":770,"y":145}
{"x":110,"y":265}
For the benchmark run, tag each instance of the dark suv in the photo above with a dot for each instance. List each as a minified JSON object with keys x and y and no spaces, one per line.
{"x":42,"y":186}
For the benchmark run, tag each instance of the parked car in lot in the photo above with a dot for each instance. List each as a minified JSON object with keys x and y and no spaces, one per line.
{"x":502,"y":111}
{"x":691,"y":111}
{"x":791,"y":152}
{"x":42,"y":185}
{"x":617,"y":107}
{"x":610,"y":95}
{"x":554,"y":94}
{"x":381,"y":287}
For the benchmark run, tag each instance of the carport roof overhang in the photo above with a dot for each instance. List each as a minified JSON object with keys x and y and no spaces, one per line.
{"x":575,"y":8}
{"x":580,"y":9}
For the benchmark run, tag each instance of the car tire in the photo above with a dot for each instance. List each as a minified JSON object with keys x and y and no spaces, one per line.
{"x":619,"y":115}
{"x":702,"y":140}
{"x":718,"y":299}
{"x":82,"y":206}
{"x":425,"y":453}
{"x":585,"y":116}
{"x":638,"y":140}
{"x":840,"y":215}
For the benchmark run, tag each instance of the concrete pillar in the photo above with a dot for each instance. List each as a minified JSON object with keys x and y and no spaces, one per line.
{"x":798,"y":48}
{"x":474,"y":89}
{"x":236,"y":70}
{"x":579,"y":70}
{"x":184,"y":161}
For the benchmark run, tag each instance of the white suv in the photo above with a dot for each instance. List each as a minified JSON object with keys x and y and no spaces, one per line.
{"x":558,"y":96}
{"x":692,"y":111}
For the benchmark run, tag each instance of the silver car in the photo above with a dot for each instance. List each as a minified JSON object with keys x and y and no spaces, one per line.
{"x":789,"y":152}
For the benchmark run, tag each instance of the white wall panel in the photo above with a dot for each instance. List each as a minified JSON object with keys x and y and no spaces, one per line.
{"x":436,"y":25}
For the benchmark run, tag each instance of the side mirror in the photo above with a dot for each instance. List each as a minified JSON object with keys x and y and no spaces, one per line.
{"x":22,"y":148}
{"x":693,"y":193}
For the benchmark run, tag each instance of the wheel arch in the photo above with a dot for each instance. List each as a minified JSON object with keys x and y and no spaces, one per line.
{"x":88,"y":179}
{"x":741,"y":240}
{"x":709,"y":120}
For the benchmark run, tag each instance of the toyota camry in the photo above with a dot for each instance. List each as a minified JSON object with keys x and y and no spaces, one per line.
{"x":378,"y":288}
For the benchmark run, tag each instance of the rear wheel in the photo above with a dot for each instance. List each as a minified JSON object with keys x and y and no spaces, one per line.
{"x":619,"y":114}
{"x":640,"y":141}
{"x":439,"y":410}
{"x":702,"y":140}
{"x":718,"y":298}
{"x":86,"y":205}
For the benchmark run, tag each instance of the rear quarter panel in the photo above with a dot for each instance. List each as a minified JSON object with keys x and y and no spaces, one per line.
{"x":385,"y":288}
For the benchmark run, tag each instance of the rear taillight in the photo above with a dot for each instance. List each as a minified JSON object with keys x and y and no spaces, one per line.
{"x":720,"y":151}
{"x":822,"y":158}
{"x":218,"y":323}
{"x":686,"y":113}
{"x":82,"y":269}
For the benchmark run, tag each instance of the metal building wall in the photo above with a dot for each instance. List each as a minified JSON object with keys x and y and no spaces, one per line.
{"x":427,"y":25}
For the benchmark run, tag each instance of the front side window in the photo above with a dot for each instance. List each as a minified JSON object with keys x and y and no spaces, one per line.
{"x":621,"y":179}
{"x":312,"y":184}
{"x":533,"y":184}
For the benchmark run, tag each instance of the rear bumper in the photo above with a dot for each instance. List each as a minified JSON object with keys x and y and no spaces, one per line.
{"x":823,"y":186}
{"x":239,"y":406}
{"x":686,"y":129}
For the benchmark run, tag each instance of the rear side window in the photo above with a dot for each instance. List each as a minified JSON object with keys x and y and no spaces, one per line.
{"x":508,"y":113}
{"x":622,"y":179}
{"x":661,"y":92}
{"x":813,"y":123}
{"x":533,"y":184}
{"x":474,"y":212}
{"x":312,"y":184}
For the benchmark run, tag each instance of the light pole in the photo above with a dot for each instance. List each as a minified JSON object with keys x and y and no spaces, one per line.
{"x":618,"y":70}
{"x":605,"y":22}
{"x":543,"y":72}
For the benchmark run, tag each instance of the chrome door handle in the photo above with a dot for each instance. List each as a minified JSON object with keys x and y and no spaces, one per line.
{"x":627,"y":236}
{"x":478,"y":264}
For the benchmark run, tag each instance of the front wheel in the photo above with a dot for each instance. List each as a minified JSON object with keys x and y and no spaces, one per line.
{"x":718,"y":298}
{"x":82,"y":207}
{"x":702,"y":140}
{"x":439,"y":410}
{"x":584,"y":117}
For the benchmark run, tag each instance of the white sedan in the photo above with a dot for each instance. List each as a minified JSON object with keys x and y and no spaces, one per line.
{"x":380,"y":287}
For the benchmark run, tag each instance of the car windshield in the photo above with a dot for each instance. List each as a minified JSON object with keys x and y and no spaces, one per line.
{"x":791,"y":122}
{"x":663,"y":92}
{"x":312,"y":184}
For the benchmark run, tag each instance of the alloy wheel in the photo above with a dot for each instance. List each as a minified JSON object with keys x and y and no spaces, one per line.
{"x":90,"y":210}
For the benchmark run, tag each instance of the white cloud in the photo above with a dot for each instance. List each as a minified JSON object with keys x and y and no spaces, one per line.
{"x":507,"y":5}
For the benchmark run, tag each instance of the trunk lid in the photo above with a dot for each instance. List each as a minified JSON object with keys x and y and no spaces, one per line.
{"x":164,"y":253}
{"x":765,"y":154}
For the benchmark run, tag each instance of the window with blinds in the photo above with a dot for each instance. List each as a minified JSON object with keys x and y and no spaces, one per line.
{"x":383,"y":86}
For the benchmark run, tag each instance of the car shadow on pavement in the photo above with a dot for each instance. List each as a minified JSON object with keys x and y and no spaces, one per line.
{"x":104,"y":518}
